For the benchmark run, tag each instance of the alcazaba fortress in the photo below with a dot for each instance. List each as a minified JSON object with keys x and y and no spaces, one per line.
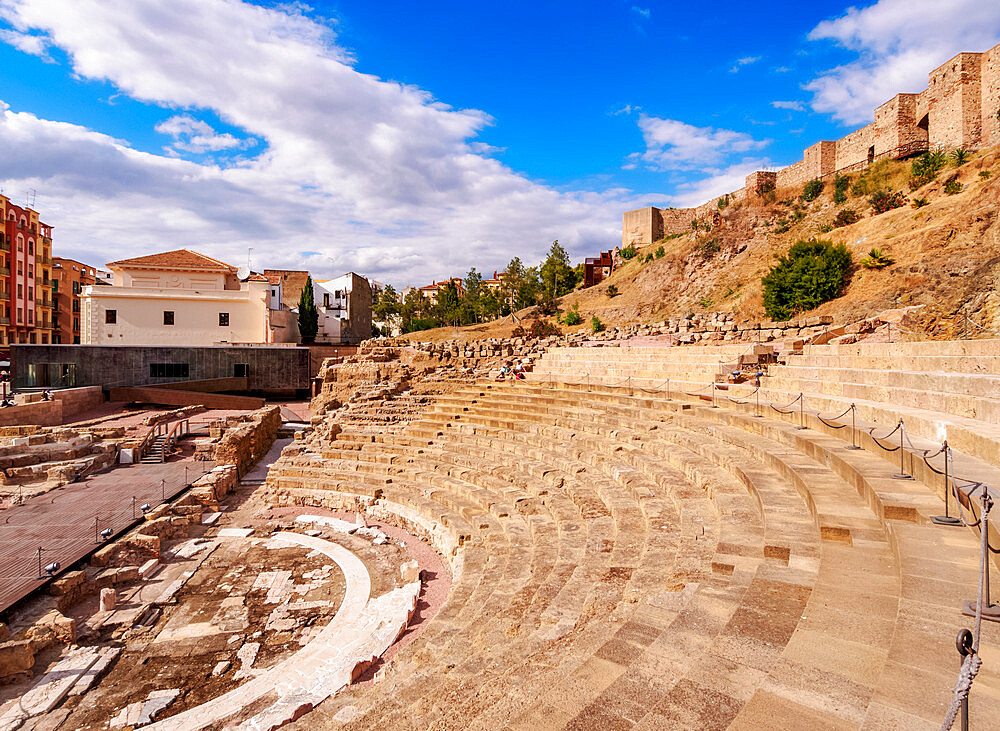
{"x":959,"y":108}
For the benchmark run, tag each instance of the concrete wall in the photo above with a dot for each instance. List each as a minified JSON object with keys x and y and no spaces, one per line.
{"x":271,"y":368}
{"x":78,"y":400}
{"x":139,"y":315}
{"x":172,"y":397}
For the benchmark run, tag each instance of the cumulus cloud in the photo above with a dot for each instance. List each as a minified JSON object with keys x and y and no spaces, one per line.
{"x":672,"y":144}
{"x":898,"y":43}
{"x":197,"y":136}
{"x":794,"y":106}
{"x":745,"y":61}
{"x":35,"y":45}
{"x":377,"y":176}
{"x":644,"y":12}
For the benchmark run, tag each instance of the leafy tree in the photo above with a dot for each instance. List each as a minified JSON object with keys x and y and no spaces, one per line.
{"x":557,"y":276}
{"x":521,"y":286}
{"x":308,"y":314}
{"x":811,"y":273}
{"x":472,"y":300}
{"x":489,"y":305}
{"x":414,"y":307}
{"x":386,"y":306}
{"x":841,"y":184}
{"x":448,"y":308}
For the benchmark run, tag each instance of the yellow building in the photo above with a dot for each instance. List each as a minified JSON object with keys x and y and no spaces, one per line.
{"x":176,"y":298}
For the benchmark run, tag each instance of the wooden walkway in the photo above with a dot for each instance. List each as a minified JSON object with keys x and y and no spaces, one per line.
{"x":62,"y":522}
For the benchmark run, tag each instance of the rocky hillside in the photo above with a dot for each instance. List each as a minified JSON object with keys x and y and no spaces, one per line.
{"x":946,"y":256}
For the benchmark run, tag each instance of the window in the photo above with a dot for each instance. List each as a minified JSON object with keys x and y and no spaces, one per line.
{"x":168,"y":370}
{"x":111,"y":316}
{"x":45,"y":338}
{"x":76,"y":305}
{"x":76,"y":323}
{"x":20,"y":315}
{"x":241,"y":370}
{"x":223,"y":319}
{"x":31,"y":293}
{"x":168,"y":317}
{"x":76,"y":340}
{"x":20,"y":290}
{"x":76,"y":288}
{"x":31,"y":317}
{"x":31,"y":246}
{"x":326,"y":299}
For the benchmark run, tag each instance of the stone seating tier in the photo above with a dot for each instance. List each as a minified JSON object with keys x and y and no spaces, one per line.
{"x":623,"y":558}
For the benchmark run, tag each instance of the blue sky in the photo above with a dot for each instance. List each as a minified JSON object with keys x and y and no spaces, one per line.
{"x":410,"y":141}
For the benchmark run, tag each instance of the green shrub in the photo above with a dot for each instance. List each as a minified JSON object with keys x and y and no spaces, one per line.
{"x":985,"y":174}
{"x":919,"y":202}
{"x":705,"y":302}
{"x":722,"y":202}
{"x":885,"y":200}
{"x":661,"y":252}
{"x":845,"y":217}
{"x":783,"y":226}
{"x":826,"y":228}
{"x":952,"y":186}
{"x":959,"y":157}
{"x":707,"y":248}
{"x":877,"y":259}
{"x":811,"y":273}
{"x":798,"y":215}
{"x":573,"y":316}
{"x":926,"y":167}
{"x":612,"y":290}
{"x":694,"y":224}
{"x":648,"y":258}
{"x":673,"y":236}
{"x":628,"y":252}
{"x":812,"y":189}
{"x":537,"y":329}
{"x":595,"y":324}
{"x":840,"y":186}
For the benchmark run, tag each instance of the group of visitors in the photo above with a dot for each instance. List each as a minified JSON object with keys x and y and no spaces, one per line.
{"x":514,"y":372}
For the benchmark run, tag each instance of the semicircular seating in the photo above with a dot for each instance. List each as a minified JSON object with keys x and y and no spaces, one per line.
{"x":623,"y":560}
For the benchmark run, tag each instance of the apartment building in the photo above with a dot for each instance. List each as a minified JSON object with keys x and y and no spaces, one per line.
{"x":69,"y":277}
{"x":25,"y":276}
{"x":345,"y":309}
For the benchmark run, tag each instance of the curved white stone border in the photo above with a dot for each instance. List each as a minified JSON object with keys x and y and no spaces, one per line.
{"x":360,"y":632}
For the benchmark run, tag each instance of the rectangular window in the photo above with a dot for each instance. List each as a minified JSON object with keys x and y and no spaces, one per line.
{"x":20,"y":315}
{"x":20,"y":290}
{"x":241,"y":370}
{"x":168,"y":317}
{"x":76,"y":323}
{"x":223,"y":319}
{"x":326,"y":299}
{"x":31,"y":317}
{"x":168,"y":370}
{"x":45,"y":338}
{"x":111,"y":316}
{"x":76,"y":288}
{"x":31,"y":294}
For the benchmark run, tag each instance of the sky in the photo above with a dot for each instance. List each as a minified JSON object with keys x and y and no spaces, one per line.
{"x":412,"y":141}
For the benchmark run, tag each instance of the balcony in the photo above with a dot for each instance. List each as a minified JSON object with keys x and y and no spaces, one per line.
{"x":4,"y":294}
{"x":4,"y":246}
{"x":4,"y":271}
{"x":4,"y":320}
{"x":43,"y":302}
{"x":45,"y":261}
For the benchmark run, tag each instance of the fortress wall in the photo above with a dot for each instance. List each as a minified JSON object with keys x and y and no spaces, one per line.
{"x":990,"y":96}
{"x":955,"y":102}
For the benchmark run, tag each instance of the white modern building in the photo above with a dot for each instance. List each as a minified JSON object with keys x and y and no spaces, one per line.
{"x":176,"y":298}
{"x":345,"y":309}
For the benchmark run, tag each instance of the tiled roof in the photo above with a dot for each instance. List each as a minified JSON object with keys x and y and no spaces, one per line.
{"x":177,"y":259}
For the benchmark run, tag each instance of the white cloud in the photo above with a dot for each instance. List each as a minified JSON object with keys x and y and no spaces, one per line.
{"x":627,"y":109}
{"x":377,"y":176}
{"x":794,"y":106}
{"x":745,"y":61}
{"x":197,"y":136}
{"x":718,"y":183}
{"x":671,"y":144}
{"x":898,"y":43}
{"x":35,"y":45}
{"x":644,"y":12}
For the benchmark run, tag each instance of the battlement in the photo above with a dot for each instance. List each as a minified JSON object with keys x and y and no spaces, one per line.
{"x":959,"y":108}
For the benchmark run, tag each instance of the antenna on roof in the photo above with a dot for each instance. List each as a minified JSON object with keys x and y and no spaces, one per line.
{"x":249,"y":252}
{"x":31,"y":198}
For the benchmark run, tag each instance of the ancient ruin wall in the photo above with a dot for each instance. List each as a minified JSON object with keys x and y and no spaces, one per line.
{"x":959,"y":108}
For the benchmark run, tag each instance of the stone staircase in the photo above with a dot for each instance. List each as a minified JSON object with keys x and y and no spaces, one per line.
{"x":623,"y":559}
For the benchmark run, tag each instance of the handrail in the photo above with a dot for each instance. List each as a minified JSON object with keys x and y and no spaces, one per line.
{"x":177,"y":431}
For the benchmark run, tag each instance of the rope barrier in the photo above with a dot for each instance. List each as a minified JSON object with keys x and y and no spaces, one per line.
{"x":876,"y":439}
{"x":781,"y":409}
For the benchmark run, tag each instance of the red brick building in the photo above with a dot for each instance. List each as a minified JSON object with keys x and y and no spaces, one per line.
{"x":25,"y":276}
{"x":68,"y":278}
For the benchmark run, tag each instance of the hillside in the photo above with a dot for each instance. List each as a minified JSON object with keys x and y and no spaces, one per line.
{"x":947,"y":256}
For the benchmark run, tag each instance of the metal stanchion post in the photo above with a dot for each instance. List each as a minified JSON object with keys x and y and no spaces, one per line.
{"x":991,"y":611}
{"x":133,"y":507}
{"x":97,"y":536}
{"x":668,"y":389}
{"x":802,"y":412}
{"x":163,"y":490}
{"x":854,"y":428}
{"x":901,"y":475}
{"x":756,"y":408}
{"x":946,"y":519}
{"x":714,"y":406}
